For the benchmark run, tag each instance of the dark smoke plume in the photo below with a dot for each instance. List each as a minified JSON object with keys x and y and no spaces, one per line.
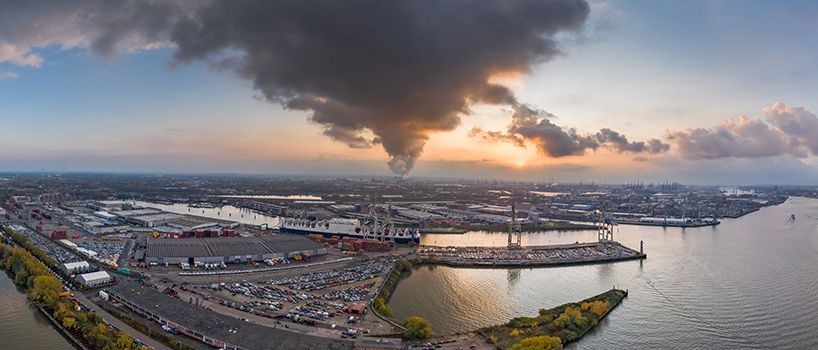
{"x":398,"y":70}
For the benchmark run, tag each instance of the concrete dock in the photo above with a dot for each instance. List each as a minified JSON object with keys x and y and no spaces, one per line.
{"x":551,"y":255}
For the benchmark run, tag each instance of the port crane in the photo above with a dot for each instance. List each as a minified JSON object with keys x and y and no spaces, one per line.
{"x":514,"y":230}
{"x":604,"y":228}
{"x":381,"y":231}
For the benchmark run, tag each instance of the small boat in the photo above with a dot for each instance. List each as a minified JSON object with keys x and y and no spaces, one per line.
{"x":792,"y":217}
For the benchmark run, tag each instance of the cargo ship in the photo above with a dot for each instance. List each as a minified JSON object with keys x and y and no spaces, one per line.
{"x":349,"y":228}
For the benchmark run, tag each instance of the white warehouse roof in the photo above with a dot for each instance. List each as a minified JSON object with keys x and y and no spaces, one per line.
{"x":94,"y":276}
{"x":76,"y":265}
{"x":105,"y":215}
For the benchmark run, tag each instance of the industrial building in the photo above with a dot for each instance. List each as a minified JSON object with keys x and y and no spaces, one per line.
{"x":107,"y":205}
{"x":419,"y":215}
{"x":94,"y":279}
{"x":210,"y":327}
{"x":136,"y":212}
{"x":228,"y":249}
{"x":152,"y":220}
{"x":99,"y":228}
{"x":498,"y":219}
{"x":75,"y":267}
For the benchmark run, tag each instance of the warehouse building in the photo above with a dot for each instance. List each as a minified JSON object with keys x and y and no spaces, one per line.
{"x":107,"y":205}
{"x":212,"y":328}
{"x":75,"y":267}
{"x":228,"y":249}
{"x":136,"y":212}
{"x":152,"y":220}
{"x":419,"y":215}
{"x":94,"y":279}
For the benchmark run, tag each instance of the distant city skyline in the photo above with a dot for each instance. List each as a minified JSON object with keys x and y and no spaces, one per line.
{"x":695,"y":92}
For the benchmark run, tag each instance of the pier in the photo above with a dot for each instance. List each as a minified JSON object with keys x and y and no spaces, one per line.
{"x":515,"y":255}
{"x":551,"y":255}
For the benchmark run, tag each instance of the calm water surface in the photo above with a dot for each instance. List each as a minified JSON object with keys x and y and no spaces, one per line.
{"x":21,"y":325}
{"x":749,"y":283}
{"x":305,"y":197}
{"x":227,"y":212}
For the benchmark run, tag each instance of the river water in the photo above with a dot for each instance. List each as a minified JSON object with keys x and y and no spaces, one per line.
{"x":227,"y":212}
{"x":21,"y":325}
{"x":749,"y":283}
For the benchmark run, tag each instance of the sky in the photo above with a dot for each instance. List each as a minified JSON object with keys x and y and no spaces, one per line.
{"x":710,"y":92}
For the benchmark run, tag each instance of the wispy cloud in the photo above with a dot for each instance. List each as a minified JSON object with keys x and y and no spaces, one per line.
{"x":4,"y":75}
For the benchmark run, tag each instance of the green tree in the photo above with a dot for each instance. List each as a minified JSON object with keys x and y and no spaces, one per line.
{"x":46,"y":290}
{"x":524,"y":322}
{"x":98,"y":335}
{"x":571,"y":318}
{"x":21,"y":277}
{"x":380,"y":306}
{"x":417,"y":328}
{"x":123,"y":341}
{"x":538,"y":343}
{"x":64,"y":309}
{"x":403,"y":265}
{"x":69,"y":322}
{"x":597,"y":307}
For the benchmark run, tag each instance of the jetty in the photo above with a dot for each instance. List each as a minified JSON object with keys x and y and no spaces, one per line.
{"x":551,"y":255}
{"x":605,"y":249}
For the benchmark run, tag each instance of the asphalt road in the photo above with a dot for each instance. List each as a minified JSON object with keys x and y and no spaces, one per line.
{"x":121,"y":325}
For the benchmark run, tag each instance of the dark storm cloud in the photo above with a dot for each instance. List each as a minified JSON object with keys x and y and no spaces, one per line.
{"x":620,"y":143}
{"x":787,"y":131}
{"x":371,"y":72}
{"x":531,"y":125}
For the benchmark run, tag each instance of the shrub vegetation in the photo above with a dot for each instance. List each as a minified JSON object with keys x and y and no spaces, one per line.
{"x":552,"y":328}
{"x":417,"y":328}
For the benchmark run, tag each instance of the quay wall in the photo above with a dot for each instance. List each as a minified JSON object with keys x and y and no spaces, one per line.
{"x":76,"y":342}
{"x":378,"y":293}
{"x":492,"y":264}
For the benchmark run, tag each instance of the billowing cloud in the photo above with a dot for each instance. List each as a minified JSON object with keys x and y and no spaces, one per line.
{"x":398,"y":70}
{"x":787,"y":131}
{"x":620,"y":143}
{"x":107,"y":27}
{"x":796,"y":122}
{"x":534,"y":126}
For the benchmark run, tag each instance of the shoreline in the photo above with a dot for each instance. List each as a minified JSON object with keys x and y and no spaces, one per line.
{"x":60,"y":329}
{"x":54,"y":324}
